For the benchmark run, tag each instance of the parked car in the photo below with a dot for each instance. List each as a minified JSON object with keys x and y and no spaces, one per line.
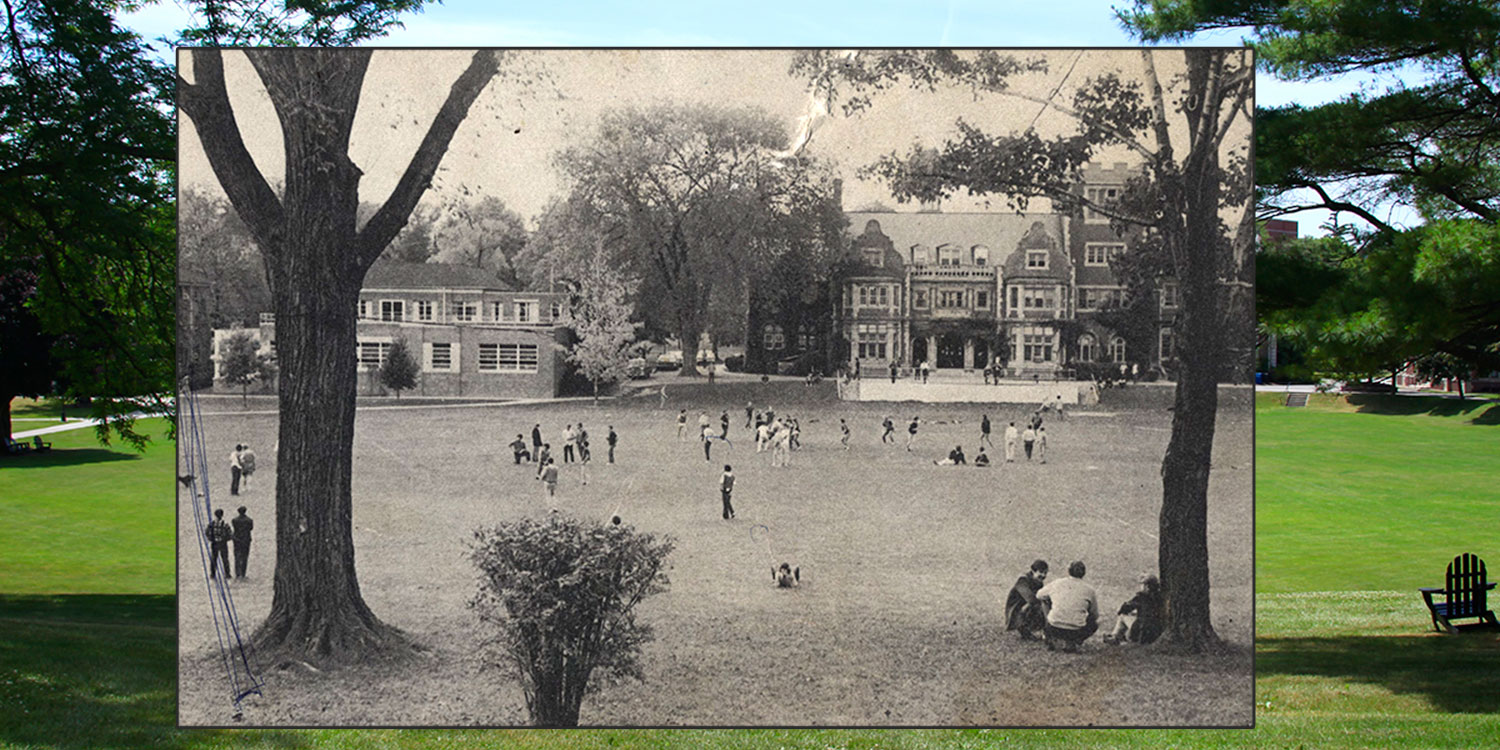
{"x":669,"y":361}
{"x":638,"y":368}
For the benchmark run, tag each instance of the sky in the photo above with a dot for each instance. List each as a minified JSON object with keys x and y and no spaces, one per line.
{"x":466,"y":23}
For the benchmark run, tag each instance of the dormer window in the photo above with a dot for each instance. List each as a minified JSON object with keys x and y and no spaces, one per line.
{"x":948,"y":255}
{"x":874,"y":257}
{"x":981,"y":255}
{"x":1036,"y":259}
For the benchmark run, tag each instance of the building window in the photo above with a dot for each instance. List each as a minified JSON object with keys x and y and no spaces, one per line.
{"x":773,"y":338}
{"x":518,"y":357}
{"x":1038,"y":347}
{"x":1038,"y":299}
{"x":556,"y":310}
{"x":982,"y":300}
{"x":1100,"y":253}
{"x":920,"y":255}
{"x":919,"y":298}
{"x":489,"y":357}
{"x":440,"y":357}
{"x":464,"y":312}
{"x":874,"y":257}
{"x":981,"y":255}
{"x":806,"y":342}
{"x":392,"y":311}
{"x":872,"y":340}
{"x":1100,"y":196}
{"x":876,"y":296}
{"x":1036,"y":258}
{"x":1116,"y":350}
{"x":950,"y":298}
{"x":525,"y":312}
{"x":372,"y":354}
{"x":424,"y":310}
{"x":364,"y":309}
{"x":1168,"y":345}
{"x":1015,"y":299}
{"x":497,"y":311}
{"x":1098,"y":299}
{"x":1169,"y":295}
{"x":1086,"y":346}
{"x":947,"y":255}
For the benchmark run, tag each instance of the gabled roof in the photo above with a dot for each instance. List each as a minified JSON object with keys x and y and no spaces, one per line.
{"x":1038,"y":237}
{"x":1000,"y":232}
{"x":391,"y":275}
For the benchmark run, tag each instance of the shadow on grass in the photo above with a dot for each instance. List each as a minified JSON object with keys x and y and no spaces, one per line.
{"x":1479,"y":411}
{"x":93,"y":671}
{"x":1456,"y":674}
{"x":65,"y":457}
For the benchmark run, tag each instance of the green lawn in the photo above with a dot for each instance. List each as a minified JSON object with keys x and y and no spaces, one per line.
{"x":1344,"y":503}
{"x":86,"y":518}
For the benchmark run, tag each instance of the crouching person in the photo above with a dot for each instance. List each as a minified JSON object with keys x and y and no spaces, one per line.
{"x":1073,"y":613}
{"x":1025,"y":613}
{"x":1140,"y":619}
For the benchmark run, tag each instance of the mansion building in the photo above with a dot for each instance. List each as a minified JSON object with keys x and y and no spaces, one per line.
{"x":962,"y":290}
{"x":469,"y":334}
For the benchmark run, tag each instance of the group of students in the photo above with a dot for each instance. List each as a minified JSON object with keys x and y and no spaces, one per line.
{"x":575,"y":445}
{"x":1066,"y":611}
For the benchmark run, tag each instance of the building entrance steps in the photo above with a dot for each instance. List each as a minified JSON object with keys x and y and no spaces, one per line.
{"x":952,"y":389}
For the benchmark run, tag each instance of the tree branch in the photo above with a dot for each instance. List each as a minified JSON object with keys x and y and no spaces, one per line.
{"x":392,"y":216}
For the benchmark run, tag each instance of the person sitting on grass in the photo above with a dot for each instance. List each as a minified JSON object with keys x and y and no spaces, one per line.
{"x":786,"y":576}
{"x":1073,"y":610}
{"x":518,"y":447}
{"x":1023,"y":611}
{"x":955,"y":457}
{"x":981,"y":459}
{"x":1140,"y":619}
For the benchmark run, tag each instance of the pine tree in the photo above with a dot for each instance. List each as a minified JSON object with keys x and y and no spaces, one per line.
{"x":400,"y":369}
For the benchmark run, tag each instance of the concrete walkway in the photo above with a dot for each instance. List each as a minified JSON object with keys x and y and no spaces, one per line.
{"x":72,"y":424}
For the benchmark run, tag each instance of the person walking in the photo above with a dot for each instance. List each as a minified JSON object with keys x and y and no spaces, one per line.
{"x":844,"y":430}
{"x":219,"y":534}
{"x":242,"y":526}
{"x":549,"y":477}
{"x":536,"y":442}
{"x":911,"y":432}
{"x":247,"y":465}
{"x":612,"y":439}
{"x":543,"y":457}
{"x":708,"y":444}
{"x":681,"y":424}
{"x":1041,"y":444}
{"x":724,"y":425}
{"x":889,"y":436}
{"x":726,"y":489}
{"x":984,"y":431}
{"x":1012,"y":435}
{"x":926,"y":370}
{"x":235,"y":469}
{"x":1028,"y":440}
{"x":893,"y":371}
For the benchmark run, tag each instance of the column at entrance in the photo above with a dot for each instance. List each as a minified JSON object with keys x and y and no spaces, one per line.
{"x":932,"y":343}
{"x":968,"y":354}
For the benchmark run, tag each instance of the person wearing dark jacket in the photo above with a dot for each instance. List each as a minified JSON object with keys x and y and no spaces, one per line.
{"x":1023,"y":611}
{"x":1140,"y":617}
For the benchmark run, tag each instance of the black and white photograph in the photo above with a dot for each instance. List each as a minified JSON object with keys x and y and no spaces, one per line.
{"x":715,"y":387}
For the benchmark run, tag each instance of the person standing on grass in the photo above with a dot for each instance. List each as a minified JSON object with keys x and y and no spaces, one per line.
{"x":1028,"y":440}
{"x":708,"y":443}
{"x":702,"y":425}
{"x":569,"y":438}
{"x":762,"y":435}
{"x":536,"y":441}
{"x":1041,"y":444}
{"x":241,"y":535}
{"x":219,"y":534}
{"x":543,"y":457}
{"x":984,"y":431}
{"x":911,"y":432}
{"x":749,"y":412}
{"x":1073,"y":613}
{"x":724,"y":424}
{"x":1012,"y":435}
{"x":583,"y":443}
{"x":893,"y":370}
{"x":889,"y":436}
{"x":235,"y":469}
{"x":549,"y":477}
{"x":844,"y":430}
{"x":612,"y":439}
{"x":1025,"y":613}
{"x":681,"y":424}
{"x":247,"y":464}
{"x":726,"y":489}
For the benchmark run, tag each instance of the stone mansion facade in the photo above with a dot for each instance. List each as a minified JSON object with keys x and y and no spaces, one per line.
{"x":960,"y":290}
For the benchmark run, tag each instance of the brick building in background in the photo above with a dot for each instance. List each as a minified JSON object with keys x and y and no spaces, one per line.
{"x":471,"y":336}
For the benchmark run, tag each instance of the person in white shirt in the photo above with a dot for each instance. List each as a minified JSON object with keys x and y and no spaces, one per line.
{"x":1011,"y":436}
{"x":1074,"y":612}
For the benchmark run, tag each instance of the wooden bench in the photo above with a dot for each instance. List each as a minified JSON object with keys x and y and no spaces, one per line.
{"x":40,"y":445}
{"x":1464,"y":596}
{"x":15,"y":448}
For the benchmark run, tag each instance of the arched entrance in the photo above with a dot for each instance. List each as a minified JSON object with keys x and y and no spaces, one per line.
{"x":918,"y":350}
{"x":981,"y":354}
{"x":950,"y":351}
